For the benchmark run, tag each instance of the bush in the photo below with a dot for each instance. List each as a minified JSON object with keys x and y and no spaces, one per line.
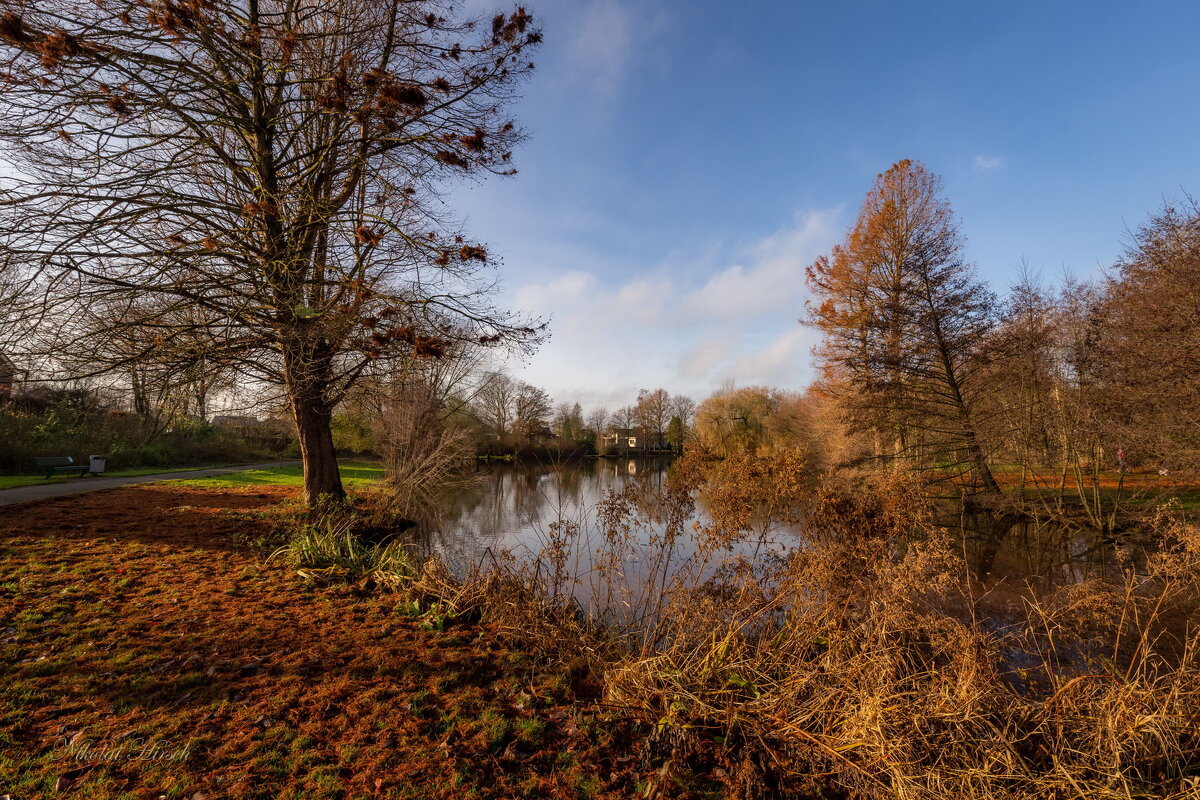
{"x":73,"y":427}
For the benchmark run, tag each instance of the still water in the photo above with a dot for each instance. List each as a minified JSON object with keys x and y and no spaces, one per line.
{"x":511,"y":507}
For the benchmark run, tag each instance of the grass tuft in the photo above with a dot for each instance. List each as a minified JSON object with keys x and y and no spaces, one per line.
{"x":327,"y":549}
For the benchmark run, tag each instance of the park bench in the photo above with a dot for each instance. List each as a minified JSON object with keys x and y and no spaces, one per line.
{"x":53,"y":465}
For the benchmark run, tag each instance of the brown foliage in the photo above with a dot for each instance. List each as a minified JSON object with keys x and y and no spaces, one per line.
{"x":903,"y":322}
{"x":470,"y":252}
{"x":854,"y":664}
{"x":177,"y":19}
{"x":12,"y":29}
{"x":452,"y":159}
{"x":58,"y":45}
{"x":368,"y":236}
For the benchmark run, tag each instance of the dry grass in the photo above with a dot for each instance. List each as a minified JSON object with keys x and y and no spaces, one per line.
{"x":857,"y":664}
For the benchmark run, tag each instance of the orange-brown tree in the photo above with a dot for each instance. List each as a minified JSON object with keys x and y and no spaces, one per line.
{"x":903,"y":319}
{"x":1149,"y":342}
{"x":276,"y":164}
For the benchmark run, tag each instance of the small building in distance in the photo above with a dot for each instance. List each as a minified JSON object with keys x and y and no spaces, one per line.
{"x":235,"y":422}
{"x":273,"y":431}
{"x":9,"y":375}
{"x":619,"y":441}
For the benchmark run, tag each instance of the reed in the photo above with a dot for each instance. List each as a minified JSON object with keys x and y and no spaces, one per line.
{"x":328,"y":548}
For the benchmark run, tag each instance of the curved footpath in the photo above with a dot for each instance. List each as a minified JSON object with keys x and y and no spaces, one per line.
{"x":25,"y":494}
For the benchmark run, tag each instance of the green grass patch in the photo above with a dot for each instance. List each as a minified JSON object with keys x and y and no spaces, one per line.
{"x":354,"y":473}
{"x":1186,"y":499}
{"x":16,"y":481}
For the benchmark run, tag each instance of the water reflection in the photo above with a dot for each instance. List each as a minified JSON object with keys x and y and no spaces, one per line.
{"x":1000,"y":548}
{"x":512,"y":506}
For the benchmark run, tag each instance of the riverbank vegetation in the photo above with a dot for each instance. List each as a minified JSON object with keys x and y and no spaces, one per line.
{"x":688,"y":661}
{"x":869,"y":663}
{"x":213,"y":208}
{"x":1072,"y":388}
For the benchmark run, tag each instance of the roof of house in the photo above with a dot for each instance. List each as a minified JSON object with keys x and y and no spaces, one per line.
{"x":8,"y":370}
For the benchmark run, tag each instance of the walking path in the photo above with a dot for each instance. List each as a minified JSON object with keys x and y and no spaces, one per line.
{"x":25,"y":494}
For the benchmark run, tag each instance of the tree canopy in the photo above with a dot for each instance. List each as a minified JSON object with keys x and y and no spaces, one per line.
{"x":266,"y":175}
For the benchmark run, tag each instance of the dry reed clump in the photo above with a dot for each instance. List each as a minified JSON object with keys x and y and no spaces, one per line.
{"x":854,"y":664}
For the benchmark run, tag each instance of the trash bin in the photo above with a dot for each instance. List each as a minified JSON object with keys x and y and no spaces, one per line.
{"x":96,"y":464}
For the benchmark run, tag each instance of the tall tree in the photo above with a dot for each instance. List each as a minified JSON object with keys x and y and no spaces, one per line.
{"x":597,"y":420}
{"x":1150,"y":340}
{"x":904,"y":321}
{"x":683,"y":407}
{"x":531,"y":411}
{"x":653,"y":411}
{"x":494,"y":404}
{"x":624,"y":418}
{"x":747,"y":420}
{"x":276,"y":163}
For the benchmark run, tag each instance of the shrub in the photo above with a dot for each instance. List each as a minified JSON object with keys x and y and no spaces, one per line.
{"x":70,"y":427}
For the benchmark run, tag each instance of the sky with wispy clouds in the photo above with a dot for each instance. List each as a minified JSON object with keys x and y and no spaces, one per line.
{"x":687,"y":160}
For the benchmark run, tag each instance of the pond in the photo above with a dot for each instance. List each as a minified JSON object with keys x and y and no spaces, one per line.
{"x":514,"y":506}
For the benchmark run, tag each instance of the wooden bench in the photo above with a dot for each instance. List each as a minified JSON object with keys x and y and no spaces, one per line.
{"x":53,"y":465}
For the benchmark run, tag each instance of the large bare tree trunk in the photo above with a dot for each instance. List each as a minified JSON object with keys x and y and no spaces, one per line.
{"x":253,"y":182}
{"x":306,"y":375}
{"x":321,"y":477}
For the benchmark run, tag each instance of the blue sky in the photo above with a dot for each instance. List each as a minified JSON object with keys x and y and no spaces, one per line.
{"x":687,"y":160}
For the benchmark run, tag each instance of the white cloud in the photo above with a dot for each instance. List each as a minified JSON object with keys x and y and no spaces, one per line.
{"x":774,"y":279}
{"x":603,"y":47}
{"x":988,"y":163}
{"x":778,"y":363}
{"x":611,"y":37}
{"x":708,"y":354}
{"x":569,"y":287}
{"x":669,"y":327}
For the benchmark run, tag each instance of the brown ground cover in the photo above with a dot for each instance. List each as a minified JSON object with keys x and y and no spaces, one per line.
{"x":146,"y":650}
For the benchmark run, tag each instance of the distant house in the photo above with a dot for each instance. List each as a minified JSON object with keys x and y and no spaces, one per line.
{"x":235,"y":422}
{"x":619,"y":440}
{"x":272,"y":430}
{"x":8,"y":376}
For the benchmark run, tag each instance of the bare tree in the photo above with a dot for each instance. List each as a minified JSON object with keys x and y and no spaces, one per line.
{"x":597,"y":420}
{"x":531,"y":411}
{"x":624,"y":418}
{"x":495,"y":404}
{"x":653,"y":412}
{"x":683,"y":407}
{"x":1150,"y":341}
{"x":421,"y":454}
{"x":275,"y":163}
